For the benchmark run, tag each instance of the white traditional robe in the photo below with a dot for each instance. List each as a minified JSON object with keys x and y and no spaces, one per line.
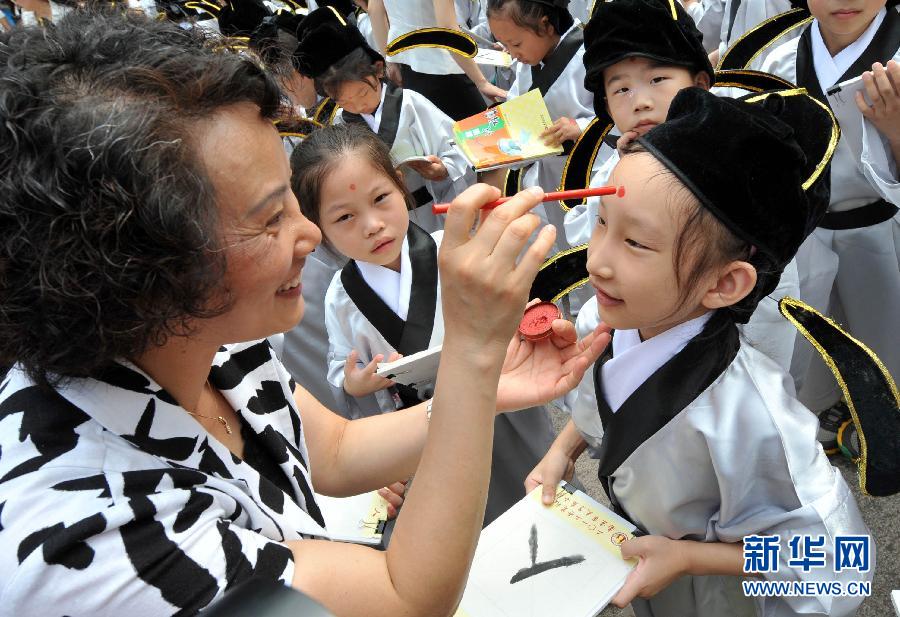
{"x":852,"y":273}
{"x":562,"y":86}
{"x":712,"y":447}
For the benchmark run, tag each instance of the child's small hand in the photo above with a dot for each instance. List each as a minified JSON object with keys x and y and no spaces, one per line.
{"x":360,"y":381}
{"x":626,"y":138}
{"x":661,"y":561}
{"x":883,"y":89}
{"x":394,"y":494}
{"x":432,"y":170}
{"x":555,"y":466}
{"x":564,"y":129}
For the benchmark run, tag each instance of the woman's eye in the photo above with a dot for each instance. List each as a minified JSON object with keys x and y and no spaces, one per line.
{"x":275,"y":219}
{"x":634,"y":243}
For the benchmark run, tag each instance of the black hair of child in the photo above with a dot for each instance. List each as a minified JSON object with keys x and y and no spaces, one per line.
{"x":529,"y":13}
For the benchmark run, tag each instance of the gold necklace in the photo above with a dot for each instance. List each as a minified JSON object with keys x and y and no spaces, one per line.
{"x":219,"y":419}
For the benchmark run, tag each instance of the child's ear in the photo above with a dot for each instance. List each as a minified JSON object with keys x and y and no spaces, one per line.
{"x":399,"y":174}
{"x":736,"y":280}
{"x":379,"y":69}
{"x":701,"y":80}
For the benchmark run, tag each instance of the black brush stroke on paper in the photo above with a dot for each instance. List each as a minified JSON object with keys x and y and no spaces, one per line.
{"x":537,"y":568}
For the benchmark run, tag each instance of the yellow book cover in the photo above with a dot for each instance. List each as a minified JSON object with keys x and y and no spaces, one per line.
{"x":506,"y":134}
{"x":536,"y":560}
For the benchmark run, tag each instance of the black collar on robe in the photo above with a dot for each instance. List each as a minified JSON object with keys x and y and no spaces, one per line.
{"x":390,"y":114}
{"x":665,"y":394}
{"x":414,"y":334}
{"x":545,"y":76}
{"x":882,"y":48}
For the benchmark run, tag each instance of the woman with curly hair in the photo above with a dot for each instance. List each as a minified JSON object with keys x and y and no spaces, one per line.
{"x":154,"y":451}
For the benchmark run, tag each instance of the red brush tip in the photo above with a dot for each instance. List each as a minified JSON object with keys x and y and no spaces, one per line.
{"x":620,"y":192}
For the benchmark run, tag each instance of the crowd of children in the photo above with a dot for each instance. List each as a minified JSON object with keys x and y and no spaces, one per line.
{"x":707,"y":412}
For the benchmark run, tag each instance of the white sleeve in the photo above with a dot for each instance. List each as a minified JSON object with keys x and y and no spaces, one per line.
{"x":340,"y":341}
{"x":878,"y":164}
{"x":432,"y":129}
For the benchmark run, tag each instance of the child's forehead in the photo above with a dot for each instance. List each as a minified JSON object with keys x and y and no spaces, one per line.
{"x":632,"y":65}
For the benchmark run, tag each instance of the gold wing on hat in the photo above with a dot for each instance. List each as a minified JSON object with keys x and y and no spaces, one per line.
{"x":443,"y":38}
{"x":742,"y":53}
{"x":870,"y":391}
{"x":580,"y":162}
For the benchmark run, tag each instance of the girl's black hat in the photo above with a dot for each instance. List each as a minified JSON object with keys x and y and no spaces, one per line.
{"x":325,"y":37}
{"x":759,"y":164}
{"x":657,"y":29}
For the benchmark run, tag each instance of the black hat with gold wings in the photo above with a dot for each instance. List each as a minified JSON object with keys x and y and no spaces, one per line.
{"x":660,"y":30}
{"x":750,"y":162}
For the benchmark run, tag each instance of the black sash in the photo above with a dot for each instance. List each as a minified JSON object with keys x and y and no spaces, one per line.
{"x":668,"y":391}
{"x":414,"y":334}
{"x":882,"y":48}
{"x":390,"y":114}
{"x":545,"y":76}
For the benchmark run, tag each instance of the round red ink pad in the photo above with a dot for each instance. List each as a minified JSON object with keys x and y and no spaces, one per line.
{"x":538,"y":319}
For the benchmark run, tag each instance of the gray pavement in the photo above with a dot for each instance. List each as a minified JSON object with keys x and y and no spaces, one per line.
{"x":880,"y":513}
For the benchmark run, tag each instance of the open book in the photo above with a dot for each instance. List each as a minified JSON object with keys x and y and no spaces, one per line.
{"x":535,"y":560}
{"x":359,"y":519}
{"x":506,"y":134}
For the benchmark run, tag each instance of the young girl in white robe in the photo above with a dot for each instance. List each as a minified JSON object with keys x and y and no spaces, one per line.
{"x":548,"y":46}
{"x":387,"y":299}
{"x":699,"y":440}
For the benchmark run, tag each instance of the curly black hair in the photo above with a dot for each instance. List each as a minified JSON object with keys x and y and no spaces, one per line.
{"x":109,"y":238}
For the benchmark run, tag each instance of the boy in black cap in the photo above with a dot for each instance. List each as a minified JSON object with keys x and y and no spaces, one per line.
{"x":700,"y":444}
{"x":653,"y":49}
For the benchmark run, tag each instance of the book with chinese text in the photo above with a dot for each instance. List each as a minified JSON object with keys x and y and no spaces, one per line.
{"x":506,"y":134}
{"x":535,"y":560}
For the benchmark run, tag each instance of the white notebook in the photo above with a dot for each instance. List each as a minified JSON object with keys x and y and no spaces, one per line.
{"x":559,"y":561}
{"x":414,"y":369}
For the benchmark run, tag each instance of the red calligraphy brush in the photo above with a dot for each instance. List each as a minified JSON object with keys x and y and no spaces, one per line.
{"x":618,"y":191}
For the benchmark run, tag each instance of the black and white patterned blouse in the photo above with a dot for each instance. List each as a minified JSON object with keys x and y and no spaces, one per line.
{"x":114,"y":501}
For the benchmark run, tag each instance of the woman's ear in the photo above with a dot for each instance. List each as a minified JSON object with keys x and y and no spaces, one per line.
{"x":736,"y":280}
{"x":701,"y":80}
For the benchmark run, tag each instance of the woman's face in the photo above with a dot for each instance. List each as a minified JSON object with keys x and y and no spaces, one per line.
{"x":265,"y":236}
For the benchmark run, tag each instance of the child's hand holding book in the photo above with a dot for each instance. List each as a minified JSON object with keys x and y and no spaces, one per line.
{"x":362,"y":380}
{"x":563,"y":129}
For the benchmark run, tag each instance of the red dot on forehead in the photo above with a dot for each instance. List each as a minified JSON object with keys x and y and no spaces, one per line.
{"x":352,"y":187}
